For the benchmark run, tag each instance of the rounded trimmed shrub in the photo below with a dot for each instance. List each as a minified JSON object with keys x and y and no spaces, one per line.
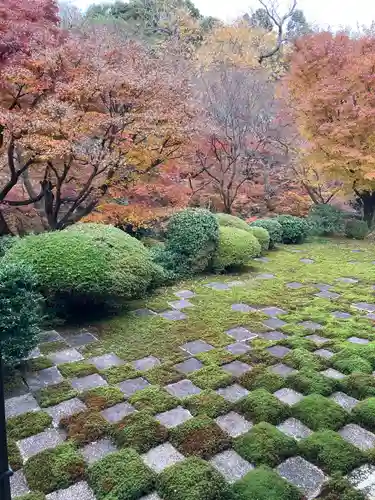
{"x":232,"y":221}
{"x":236,"y":248}
{"x":86,"y":264}
{"x":356,"y":229}
{"x":295,"y":229}
{"x":274,"y":229}
{"x":263,"y":236}
{"x":326,"y":219}
{"x":7,"y":242}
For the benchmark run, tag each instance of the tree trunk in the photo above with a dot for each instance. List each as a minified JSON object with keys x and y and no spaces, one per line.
{"x":368,"y":206}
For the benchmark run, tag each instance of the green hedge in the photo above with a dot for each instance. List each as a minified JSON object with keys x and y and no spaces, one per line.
{"x":236,"y":248}
{"x":274,"y":229}
{"x":232,"y":221}
{"x":356,"y":229}
{"x":263,"y":236}
{"x":326,"y":219}
{"x":295,"y":229}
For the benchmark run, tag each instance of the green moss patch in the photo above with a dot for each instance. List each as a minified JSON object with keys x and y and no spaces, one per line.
{"x":211,"y":377}
{"x":261,"y":378}
{"x":351,"y":364}
{"x":199,"y":436}
{"x":103,"y":397}
{"x":329,"y":451}
{"x":14,"y":455}
{"x":117,"y":374}
{"x":163,"y":375}
{"x":48,"y":347}
{"x":260,"y":406}
{"x":359,"y":385}
{"x":216,"y":357}
{"x":364,"y":413}
{"x":258,"y":356}
{"x":37,"y":364}
{"x":28,"y":424}
{"x":153,"y":399}
{"x":77,"y":369}
{"x":338,"y":488}
{"x":265,"y":484}
{"x":302,"y":358}
{"x":121,"y":475}
{"x":55,"y":394}
{"x":139,"y":431}
{"x":265,"y":445}
{"x":85,"y":427}
{"x":54,"y":469}
{"x":311,"y":382}
{"x":192,"y":479}
{"x":207,"y":403}
{"x":33,"y":496}
{"x":319,"y":413}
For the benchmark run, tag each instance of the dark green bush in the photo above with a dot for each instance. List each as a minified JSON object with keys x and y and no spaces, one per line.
{"x":20,"y":311}
{"x":356,"y":229}
{"x":273,"y":227}
{"x":295,"y":229}
{"x":7,"y":242}
{"x":232,"y":221}
{"x":236,"y":248}
{"x":262,"y":235}
{"x":326,"y":219}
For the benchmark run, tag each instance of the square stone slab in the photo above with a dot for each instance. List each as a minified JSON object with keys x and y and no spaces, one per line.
{"x":357,"y":436}
{"x":364,"y":306}
{"x":363,"y":479}
{"x":307,"y":261}
{"x":317,"y":339}
{"x":357,"y":340}
{"x":237,"y":348}
{"x":345,"y":401}
{"x":43,"y":378}
{"x":358,"y":250}
{"x":236,"y":368}
{"x":273,"y":311}
{"x":295,"y":429}
{"x":180,"y":304}
{"x":288,"y":396}
{"x":262,"y":259}
{"x":282,"y":370}
{"x":341,"y":315}
{"x":80,"y":339}
{"x":34,"y":353}
{"x":370,"y":316}
{"x":231,"y":465}
{"x":275,"y":335}
{"x":243,"y":308}
{"x":152,"y":496}
{"x":233,"y":424}
{"x":35,"y":444}
{"x":188,"y":366}
{"x":173,"y":418}
{"x":323,"y":287}
{"x":143,"y":313}
{"x":185,"y":294}
{"x":183,"y":389}
{"x":304,"y":475}
{"x":174,"y":315}
{"x":145,"y":364}
{"x":18,"y":484}
{"x":129,"y":387}
{"x":274,"y":323}
{"x":311,"y":325}
{"x":331,"y":373}
{"x":161,"y":457}
{"x":50,"y":336}
{"x":196,"y":347}
{"x":235,"y":283}
{"x":324,"y":353}
{"x":294,"y":285}
{"x":65,"y":356}
{"x":327,"y":295}
{"x":79,"y":491}
{"x":279,"y":351}
{"x":218,"y":286}
{"x":97,"y":450}
{"x":88,"y":382}
{"x":347,"y":280}
{"x":233,"y":393}
{"x":265,"y":276}
{"x":241,"y":334}
{"x":106,"y":361}
{"x":117,"y":412}
{"x":65,"y":409}
{"x":295,"y":250}
{"x":20,"y":404}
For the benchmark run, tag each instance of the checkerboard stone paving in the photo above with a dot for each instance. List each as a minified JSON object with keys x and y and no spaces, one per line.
{"x":18,"y":484}
{"x":78,"y":491}
{"x":345,"y":401}
{"x":326,"y":294}
{"x":324,"y":353}
{"x":196,"y":347}
{"x":278,"y":351}
{"x":236,"y":368}
{"x":357,"y":436}
{"x":294,"y":285}
{"x":244,"y":308}
{"x":173,"y":418}
{"x":130,"y":387}
{"x":282,"y":370}
{"x":79,"y":339}
{"x":274,"y":323}
{"x":145,"y":364}
{"x":65,"y":409}
{"x":43,"y":378}
{"x":97,"y":450}
{"x":273,"y":336}
{"x":35,"y":444}
{"x":317,"y":339}
{"x":174,"y":315}
{"x":273,"y":311}
{"x":237,"y":348}
{"x":233,"y":393}
{"x":117,"y":412}
{"x":233,"y":424}
{"x":106,"y":361}
{"x":231,"y":465}
{"x":20,"y":404}
{"x":65,"y":356}
{"x":295,"y":428}
{"x":185,"y":294}
{"x":180,"y":304}
{"x":358,"y":340}
{"x":341,"y":315}
{"x":306,"y":476}
{"x":183,"y":389}
{"x":311,"y":325}
{"x":241,"y":334}
{"x":363,"y":479}
{"x":88,"y":382}
{"x":332,"y":373}
{"x":188,"y":366}
{"x":288,"y":396}
{"x":161,"y":457}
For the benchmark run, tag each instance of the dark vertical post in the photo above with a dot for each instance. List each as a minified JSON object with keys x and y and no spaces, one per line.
{"x":5,"y":470}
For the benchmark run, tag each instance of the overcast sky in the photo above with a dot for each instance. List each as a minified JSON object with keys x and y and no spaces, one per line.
{"x":333,"y":13}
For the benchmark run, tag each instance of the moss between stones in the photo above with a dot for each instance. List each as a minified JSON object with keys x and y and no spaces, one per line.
{"x":199,"y":436}
{"x":121,"y":475}
{"x":33,"y":496}
{"x":103,"y":397}
{"x":28,"y":424}
{"x":117,"y":374}
{"x":77,"y":369}
{"x":265,"y":484}
{"x":207,"y":403}
{"x":338,"y":488}
{"x":211,"y":377}
{"x":85,"y":427}
{"x":302,"y":358}
{"x":37,"y":364}
{"x":153,"y":399}
{"x":359,"y":385}
{"x":54,"y":469}
{"x":139,"y":431}
{"x":14,"y":455}
{"x":192,"y":479}
{"x":216,"y":357}
{"x":319,"y":413}
{"x":258,"y":356}
{"x":260,"y":406}
{"x":55,"y":394}
{"x":48,"y":347}
{"x":364,"y":413}
{"x":310,"y":382}
{"x":261,"y":378}
{"x":163,"y":375}
{"x":265,"y":445}
{"x":351,"y":364}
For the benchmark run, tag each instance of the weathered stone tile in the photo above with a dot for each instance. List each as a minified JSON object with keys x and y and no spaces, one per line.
{"x":196,"y":347}
{"x":327,"y":295}
{"x":345,"y":401}
{"x":294,"y":285}
{"x":331,"y":373}
{"x":237,"y":348}
{"x":16,"y":388}
{"x":274,"y":323}
{"x":370,"y":316}
{"x":357,"y":436}
{"x":183,"y":389}
{"x":244,"y":308}
{"x":295,"y":250}
{"x":43,"y":378}
{"x":34,"y":353}
{"x":98,"y":450}
{"x":65,"y":409}
{"x":80,"y":339}
{"x":275,"y":335}
{"x":282,"y":370}
{"x":106,"y":361}
{"x":265,"y":276}
{"x":218,"y":286}
{"x":347,"y":280}
{"x":233,"y":393}
{"x":161,"y":457}
{"x":173,"y":315}
{"x":364,"y":306}
{"x":311,"y":325}
{"x":79,"y":491}
{"x":18,"y":484}
{"x":236,"y":368}
{"x":39,"y":442}
{"x":341,"y":315}
{"x":65,"y":356}
{"x":231,"y":465}
{"x":307,"y":261}
{"x":363,"y":479}
{"x":144,"y":312}
{"x":241,"y":334}
{"x":145,"y":364}
{"x":262,"y":259}
{"x":233,"y":424}
{"x":323,"y":287}
{"x":306,"y":476}
{"x":279,"y":351}
{"x":273,"y":311}
{"x":20,"y":404}
{"x":88,"y":382}
{"x":295,"y":429}
{"x":288,"y":396}
{"x":129,"y":387}
{"x":324,"y":353}
{"x":317,"y":339}
{"x":188,"y":366}
{"x":173,"y":418}
{"x":50,"y":336}
{"x":180,"y":304}
{"x":357,"y":340}
{"x":117,"y":412}
{"x":235,"y":283}
{"x":185,"y":294}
